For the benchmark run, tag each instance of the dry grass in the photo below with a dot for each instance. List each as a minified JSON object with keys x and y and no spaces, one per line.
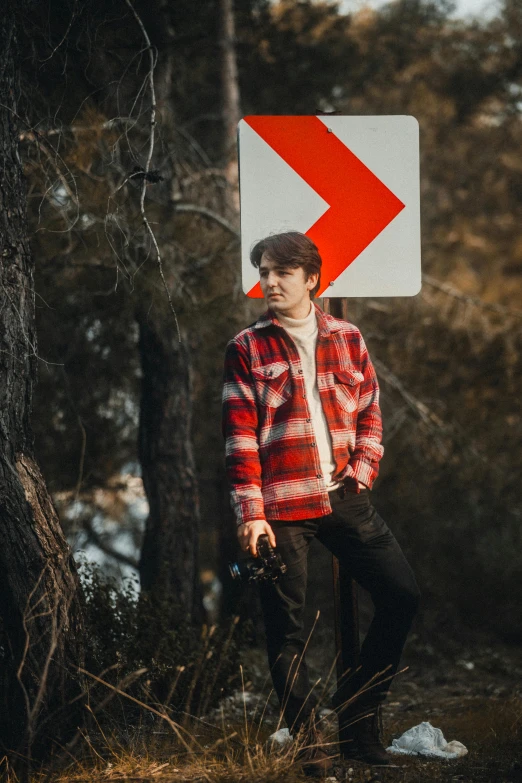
{"x":230,"y":745}
{"x":490,"y":728}
{"x":234,"y":756}
{"x":237,"y":763}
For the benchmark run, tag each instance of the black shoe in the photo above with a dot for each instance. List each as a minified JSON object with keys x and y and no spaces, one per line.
{"x":313,"y":758}
{"x":360,"y":736}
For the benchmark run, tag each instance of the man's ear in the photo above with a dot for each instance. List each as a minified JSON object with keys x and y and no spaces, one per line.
{"x":312,"y":281}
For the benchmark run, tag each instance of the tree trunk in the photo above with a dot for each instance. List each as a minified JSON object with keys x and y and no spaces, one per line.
{"x":169,"y":567}
{"x":229,"y":80}
{"x":230,"y":110}
{"x":230,"y":115}
{"x":41,"y":638}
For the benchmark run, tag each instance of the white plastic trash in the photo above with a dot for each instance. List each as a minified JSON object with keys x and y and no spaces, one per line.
{"x":425,"y":740}
{"x":280,"y":738}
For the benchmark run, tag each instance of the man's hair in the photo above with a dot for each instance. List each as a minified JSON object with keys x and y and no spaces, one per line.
{"x":292,"y":249}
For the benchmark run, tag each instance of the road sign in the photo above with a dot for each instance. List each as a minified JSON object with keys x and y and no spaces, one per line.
{"x":349,"y":183}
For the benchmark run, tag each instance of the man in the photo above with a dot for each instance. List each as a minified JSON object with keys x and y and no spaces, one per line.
{"x":303,"y":432}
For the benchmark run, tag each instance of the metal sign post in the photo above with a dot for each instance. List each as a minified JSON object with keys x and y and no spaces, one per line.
{"x":346,"y":609}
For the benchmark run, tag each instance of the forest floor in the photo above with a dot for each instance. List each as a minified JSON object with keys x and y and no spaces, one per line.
{"x":472,"y":692}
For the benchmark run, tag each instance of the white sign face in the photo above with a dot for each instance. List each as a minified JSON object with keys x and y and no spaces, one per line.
{"x":349,"y":183}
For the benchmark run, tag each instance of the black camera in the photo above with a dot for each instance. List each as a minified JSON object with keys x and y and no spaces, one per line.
{"x":268,"y":567}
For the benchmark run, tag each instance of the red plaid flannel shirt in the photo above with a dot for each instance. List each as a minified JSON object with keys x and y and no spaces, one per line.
{"x":271,"y":458}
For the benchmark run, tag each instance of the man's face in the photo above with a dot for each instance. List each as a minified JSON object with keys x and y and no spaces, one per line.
{"x":285,"y":289}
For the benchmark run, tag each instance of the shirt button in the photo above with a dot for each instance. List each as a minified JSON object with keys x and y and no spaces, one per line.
{"x":300,"y":372}
{"x":312,"y":444}
{"x":319,"y":475}
{"x":308,"y":421}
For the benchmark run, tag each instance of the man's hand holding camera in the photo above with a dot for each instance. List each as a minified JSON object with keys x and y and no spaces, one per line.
{"x":248,"y":534}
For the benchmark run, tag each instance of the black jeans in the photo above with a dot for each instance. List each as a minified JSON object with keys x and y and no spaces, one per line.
{"x":363,"y":543}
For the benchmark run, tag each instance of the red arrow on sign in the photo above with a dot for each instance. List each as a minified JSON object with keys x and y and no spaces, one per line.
{"x":361,"y":206}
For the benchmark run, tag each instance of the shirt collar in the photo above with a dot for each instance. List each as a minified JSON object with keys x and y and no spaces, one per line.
{"x":326,"y":324}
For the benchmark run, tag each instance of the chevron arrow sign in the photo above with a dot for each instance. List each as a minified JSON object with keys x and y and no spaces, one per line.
{"x":349,"y":183}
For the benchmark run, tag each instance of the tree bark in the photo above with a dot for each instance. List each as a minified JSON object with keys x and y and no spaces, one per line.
{"x":169,"y":567}
{"x":41,"y":639}
{"x":230,"y":108}
{"x":229,"y":79}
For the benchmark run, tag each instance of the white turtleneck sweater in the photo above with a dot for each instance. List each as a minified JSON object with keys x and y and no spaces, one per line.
{"x":303,"y":332}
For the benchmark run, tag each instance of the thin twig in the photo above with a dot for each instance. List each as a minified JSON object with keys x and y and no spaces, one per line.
{"x":296,"y":673}
{"x":152,"y":125}
{"x":97,"y":540}
{"x":430,"y":419}
{"x":208,"y":213}
{"x":56,"y":630}
{"x":31,"y":135}
{"x":177,"y":728}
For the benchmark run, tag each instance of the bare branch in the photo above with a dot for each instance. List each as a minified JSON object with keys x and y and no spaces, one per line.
{"x":59,"y":174}
{"x":422,"y":411}
{"x":197,"y":176}
{"x":30,"y":135}
{"x":52,"y":605}
{"x":98,"y":541}
{"x":152,"y":125}
{"x":208,"y":213}
{"x":433,"y":423}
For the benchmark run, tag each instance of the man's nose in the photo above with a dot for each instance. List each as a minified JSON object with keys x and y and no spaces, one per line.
{"x":271,"y":279}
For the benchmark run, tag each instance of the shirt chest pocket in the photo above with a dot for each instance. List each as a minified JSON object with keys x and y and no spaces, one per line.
{"x":347,"y":388}
{"x":272,"y":383}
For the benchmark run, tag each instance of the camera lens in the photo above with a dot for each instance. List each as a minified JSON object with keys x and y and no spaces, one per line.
{"x":235,"y":573}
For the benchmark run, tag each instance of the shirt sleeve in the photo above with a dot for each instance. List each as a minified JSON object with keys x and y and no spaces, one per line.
{"x":239,"y":423}
{"x":364,"y":461}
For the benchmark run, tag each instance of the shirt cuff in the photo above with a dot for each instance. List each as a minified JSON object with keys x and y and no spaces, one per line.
{"x":249,"y":511}
{"x":363,"y":472}
{"x":358,"y":470}
{"x":251,"y":521}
